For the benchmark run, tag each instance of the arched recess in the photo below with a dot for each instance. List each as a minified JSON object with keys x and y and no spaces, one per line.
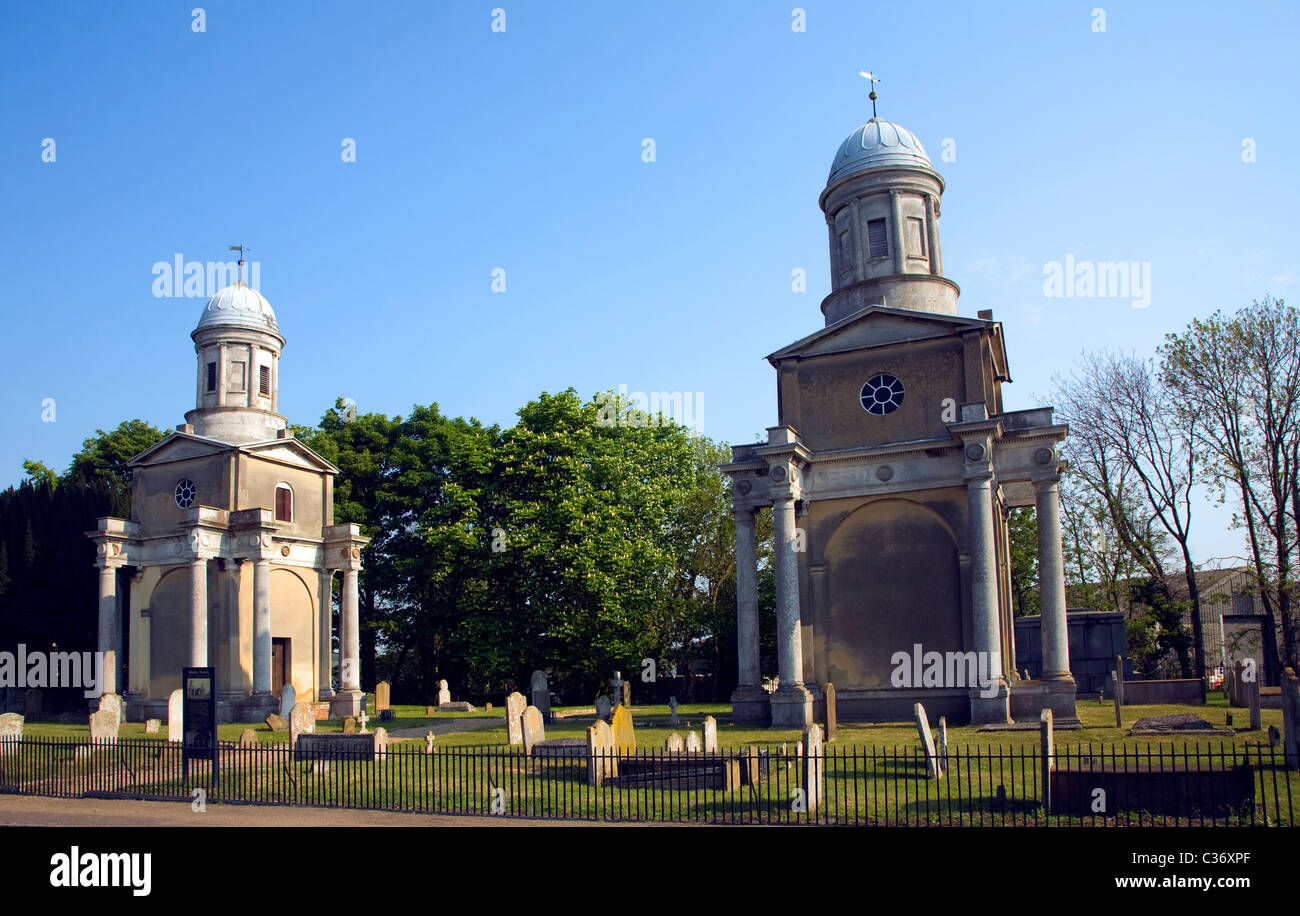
{"x":893,"y":580}
{"x":293,"y":607}
{"x":169,"y":631}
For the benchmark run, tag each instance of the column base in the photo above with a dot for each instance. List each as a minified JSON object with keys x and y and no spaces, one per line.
{"x":792,"y":707}
{"x":750,"y":703}
{"x":346,"y":703}
{"x":991,"y":710}
{"x":1030,"y":698}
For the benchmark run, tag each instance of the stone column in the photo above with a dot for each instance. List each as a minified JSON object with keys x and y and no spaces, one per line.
{"x":899,"y":233}
{"x":326,"y":661}
{"x":350,"y":680}
{"x":932,"y":232}
{"x":792,"y":703}
{"x":198,"y":612}
{"x":108,"y":626}
{"x":984,"y":605}
{"x":261,"y":625}
{"x":749,"y":701}
{"x":1051,"y":580}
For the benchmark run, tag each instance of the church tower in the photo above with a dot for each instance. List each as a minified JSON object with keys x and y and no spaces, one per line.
{"x":890,"y":474}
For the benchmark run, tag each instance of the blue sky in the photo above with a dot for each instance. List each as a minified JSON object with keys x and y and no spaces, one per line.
{"x":522,"y":150}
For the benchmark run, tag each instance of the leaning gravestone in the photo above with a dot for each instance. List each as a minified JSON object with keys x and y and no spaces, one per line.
{"x":288,"y":697}
{"x":933,"y":769}
{"x":810,"y":748}
{"x":693,"y":742}
{"x":111,"y":702}
{"x":277,"y":723}
{"x":248,"y":738}
{"x":830,"y":711}
{"x":176,"y":715}
{"x":103,"y":726}
{"x":710,"y":735}
{"x":1047,"y":750}
{"x":444,"y":693}
{"x":302,"y":721}
{"x":534,"y":728}
{"x":943,"y":738}
{"x":602,"y":707}
{"x":515,"y":704}
{"x":624,"y":732}
{"x":674,"y":742}
{"x":540,"y":694}
{"x":383,"y":691}
{"x":152,"y":726}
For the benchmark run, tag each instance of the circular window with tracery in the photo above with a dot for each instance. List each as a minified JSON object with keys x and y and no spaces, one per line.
{"x":185,"y":493}
{"x":882,"y":394}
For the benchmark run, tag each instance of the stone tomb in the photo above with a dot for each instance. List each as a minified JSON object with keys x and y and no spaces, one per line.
{"x":176,"y":715}
{"x":536,"y":745}
{"x":1172,"y":726}
{"x":515,"y":704}
{"x":326,"y":748}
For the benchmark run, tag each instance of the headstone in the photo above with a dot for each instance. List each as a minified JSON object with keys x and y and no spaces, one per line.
{"x":428,"y":741}
{"x":830,"y":711}
{"x":381,"y":743}
{"x":540,"y":694}
{"x":616,"y":688}
{"x":350,"y":725}
{"x":103,"y":726}
{"x":1252,"y":700}
{"x":813,"y":762}
{"x":301,"y":722}
{"x":1047,"y":749}
{"x":1274,"y":736}
{"x":11,"y":728}
{"x":112,"y":702}
{"x":248,"y":738}
{"x":487,"y":707}
{"x":710,"y":735}
{"x":363,"y":718}
{"x":288,"y":697}
{"x":1119,"y":679}
{"x":623,"y":730}
{"x":429,"y":710}
{"x":534,"y":728}
{"x":602,"y":762}
{"x":444,"y":693}
{"x":674,"y":742}
{"x":933,"y":768}
{"x":515,"y":704}
{"x":32,"y":705}
{"x":672,"y":712}
{"x":152,"y":726}
{"x":277,"y":723}
{"x":383,"y":691}
{"x":1291,"y":718}
{"x":943,"y":739}
{"x":602,"y":707}
{"x":176,"y":715}
{"x":693,"y":742}
{"x":627,"y":694}
{"x":1119,"y":696}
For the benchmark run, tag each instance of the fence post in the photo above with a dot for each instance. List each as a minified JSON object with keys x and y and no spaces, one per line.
{"x":1048,"y":753}
{"x":1291,"y":718}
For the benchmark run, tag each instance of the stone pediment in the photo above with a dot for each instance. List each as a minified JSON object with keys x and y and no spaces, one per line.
{"x":289,"y":451}
{"x":177,"y":446}
{"x":877,"y":326}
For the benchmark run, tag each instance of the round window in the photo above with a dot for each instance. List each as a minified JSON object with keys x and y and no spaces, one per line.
{"x":185,"y":492}
{"x":882,"y":394}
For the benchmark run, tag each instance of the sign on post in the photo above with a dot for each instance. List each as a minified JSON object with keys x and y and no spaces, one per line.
{"x":200,"y":717}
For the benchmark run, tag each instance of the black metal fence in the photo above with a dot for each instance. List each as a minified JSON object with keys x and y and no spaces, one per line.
{"x":1082,"y":785}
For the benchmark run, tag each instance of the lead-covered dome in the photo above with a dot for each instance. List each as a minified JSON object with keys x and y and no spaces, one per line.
{"x":878,"y":143}
{"x":239,"y":306}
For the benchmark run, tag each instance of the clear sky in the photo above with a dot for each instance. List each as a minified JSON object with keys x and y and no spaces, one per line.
{"x":522,"y":150}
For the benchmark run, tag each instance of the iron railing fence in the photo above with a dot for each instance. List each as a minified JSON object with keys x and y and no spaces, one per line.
{"x":1120,"y":785}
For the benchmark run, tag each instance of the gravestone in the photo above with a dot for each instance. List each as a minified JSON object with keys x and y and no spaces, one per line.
{"x":363,"y":718}
{"x":1252,"y":700}
{"x":943,"y":739}
{"x":444,"y":693}
{"x":534,"y":728}
{"x":515,"y":704}
{"x":428,"y":741}
{"x":458,"y":706}
{"x":540,"y":694}
{"x":176,"y":715}
{"x":602,"y":708}
{"x":301,"y":722}
{"x":601,"y":761}
{"x":248,"y":738}
{"x":487,"y":707}
{"x":623,"y":730}
{"x":1274,"y":736}
{"x":1172,"y":726}
{"x":627,"y":694}
{"x":11,"y":728}
{"x":111,"y":702}
{"x":430,"y":710}
{"x":350,"y":725}
{"x":381,"y":743}
{"x":103,"y":726}
{"x":288,"y":697}
{"x":1291,"y":718}
{"x":32,"y":705}
{"x":277,"y":723}
{"x":672,"y":712}
{"x":1047,"y":748}
{"x":1119,"y":679}
{"x":383,"y":691}
{"x":813,"y":766}
{"x":152,"y":726}
{"x":1119,"y":696}
{"x":693,"y":742}
{"x":673,"y":743}
{"x":616,"y":688}
{"x":710,"y":735}
{"x":830,"y":711}
{"x":933,"y":768}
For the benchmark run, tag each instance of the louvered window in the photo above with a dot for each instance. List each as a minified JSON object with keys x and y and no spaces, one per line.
{"x":212,"y":376}
{"x":264,"y":381}
{"x":877,"y":240}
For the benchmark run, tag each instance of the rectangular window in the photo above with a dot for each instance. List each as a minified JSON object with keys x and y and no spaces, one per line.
{"x":264,"y":381}
{"x":236,"y":375}
{"x":212,"y":376}
{"x":915,"y":238}
{"x":877,"y":240}
{"x":283,"y":504}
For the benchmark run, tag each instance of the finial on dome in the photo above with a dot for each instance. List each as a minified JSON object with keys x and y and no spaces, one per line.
{"x":868,"y":75}
{"x":241,"y":249}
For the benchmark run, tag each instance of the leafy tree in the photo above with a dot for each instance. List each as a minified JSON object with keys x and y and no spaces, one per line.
{"x":103,"y":457}
{"x":1022,"y":531}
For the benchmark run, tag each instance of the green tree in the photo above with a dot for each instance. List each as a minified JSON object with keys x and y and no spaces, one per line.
{"x":1022,"y":531}
{"x":103,"y":457}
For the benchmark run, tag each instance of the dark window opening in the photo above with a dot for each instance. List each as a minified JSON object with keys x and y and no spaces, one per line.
{"x":264,"y":381}
{"x":212,"y":376}
{"x":877,"y":239}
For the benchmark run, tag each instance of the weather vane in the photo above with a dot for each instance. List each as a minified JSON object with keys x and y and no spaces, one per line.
{"x":868,"y":75}
{"x":241,"y":249}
